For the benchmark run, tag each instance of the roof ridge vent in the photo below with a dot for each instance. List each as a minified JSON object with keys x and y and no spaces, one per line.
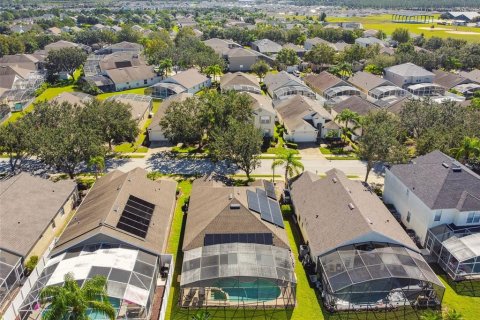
{"x":445,"y":165}
{"x":351,"y":206}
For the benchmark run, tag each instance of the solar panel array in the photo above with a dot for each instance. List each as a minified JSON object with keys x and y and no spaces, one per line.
{"x":269,"y":209}
{"x":270,"y":189}
{"x":136,"y":216}
{"x":260,"y":238}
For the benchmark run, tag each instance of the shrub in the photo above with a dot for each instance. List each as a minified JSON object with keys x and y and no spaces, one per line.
{"x":41,"y":89}
{"x":31,"y":263}
{"x":291,"y":145}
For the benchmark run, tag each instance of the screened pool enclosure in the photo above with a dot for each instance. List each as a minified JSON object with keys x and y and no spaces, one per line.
{"x":377,"y":276}
{"x":238,"y":274}
{"x":457,"y":250}
{"x":132,"y":276}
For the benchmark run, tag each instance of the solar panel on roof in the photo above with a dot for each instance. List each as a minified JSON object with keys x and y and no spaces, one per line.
{"x":136,"y":215}
{"x":276,"y":213}
{"x":252,"y":199}
{"x":260,"y":238}
{"x":270,"y":189}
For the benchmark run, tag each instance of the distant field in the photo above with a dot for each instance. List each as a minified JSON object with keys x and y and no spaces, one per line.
{"x":384,"y":22}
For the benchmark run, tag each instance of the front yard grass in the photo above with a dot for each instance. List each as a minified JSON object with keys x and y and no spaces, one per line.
{"x":337,"y":153}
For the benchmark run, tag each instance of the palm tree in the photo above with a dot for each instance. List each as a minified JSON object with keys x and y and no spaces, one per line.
{"x":348,"y":117}
{"x":343,"y":70}
{"x":292,"y":165}
{"x":469,"y":149}
{"x":202,"y":315}
{"x":452,"y":315}
{"x":73,"y":302}
{"x":431,"y":315}
{"x":216,"y":70}
{"x":97,"y":164}
{"x":166,"y":66}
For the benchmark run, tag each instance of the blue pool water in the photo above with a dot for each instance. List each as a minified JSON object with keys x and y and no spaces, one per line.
{"x":100,"y":316}
{"x":258,"y":290}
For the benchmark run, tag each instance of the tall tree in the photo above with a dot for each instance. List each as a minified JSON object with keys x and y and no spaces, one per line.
{"x":468,"y":150}
{"x":65,"y":60}
{"x":260,"y":68}
{"x":349,"y":118}
{"x":240,"y":144}
{"x":72,"y":302}
{"x":15,"y":141}
{"x":183,"y":122}
{"x":287,"y":57}
{"x":321,"y":54}
{"x":293,"y":166}
{"x":401,"y":35}
{"x":380,"y":140}
{"x":97,"y":164}
{"x":112,"y":120}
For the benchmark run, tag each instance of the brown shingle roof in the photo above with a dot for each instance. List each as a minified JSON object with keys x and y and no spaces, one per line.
{"x":355,"y":104}
{"x":102,"y":208}
{"x":366,"y":81}
{"x":448,"y":80}
{"x":188,"y":78}
{"x":209,"y":212}
{"x":323,"y":81}
{"x":131,"y":74}
{"x":323,"y":208}
{"x":239,"y":78}
{"x":28,"y":204}
{"x":293,"y":110}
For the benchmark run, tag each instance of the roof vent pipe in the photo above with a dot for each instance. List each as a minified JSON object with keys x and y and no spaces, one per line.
{"x":351,"y":206}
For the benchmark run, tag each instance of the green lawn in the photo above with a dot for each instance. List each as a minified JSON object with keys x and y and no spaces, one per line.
{"x":48,"y":95}
{"x":104,"y":96}
{"x":383,"y":22}
{"x":137,"y":146}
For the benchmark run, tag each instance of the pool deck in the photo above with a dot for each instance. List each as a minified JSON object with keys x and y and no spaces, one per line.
{"x":157,"y":302}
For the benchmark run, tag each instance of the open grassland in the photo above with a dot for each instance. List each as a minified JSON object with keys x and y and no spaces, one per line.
{"x":384,"y":22}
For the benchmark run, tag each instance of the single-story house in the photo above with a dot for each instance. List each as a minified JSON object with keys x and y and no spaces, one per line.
{"x":61,"y":44}
{"x":369,"y":41}
{"x":361,"y":255}
{"x":141,"y":105}
{"x":133,"y":77}
{"x":123,"y":46}
{"x":356,"y":104}
{"x":298,"y":49}
{"x":312,"y":42}
{"x":304,"y":119}
{"x":154,"y":130}
{"x":78,"y":98}
{"x":456,"y":82}
{"x":33,"y":210}
{"x":266,"y":46}
{"x":283,"y":85}
{"x":235,"y":248}
{"x":240,"y":81}
{"x":120,"y":231}
{"x":375,"y":87}
{"x":190,"y":81}
{"x":330,"y":87}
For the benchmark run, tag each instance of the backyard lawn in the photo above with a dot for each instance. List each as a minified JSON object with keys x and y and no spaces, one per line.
{"x":308,"y":305}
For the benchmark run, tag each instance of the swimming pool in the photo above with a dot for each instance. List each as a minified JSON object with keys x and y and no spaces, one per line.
{"x":257,"y":290}
{"x":100,"y":316}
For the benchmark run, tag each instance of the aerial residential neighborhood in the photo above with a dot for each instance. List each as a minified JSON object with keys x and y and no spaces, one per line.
{"x":207,"y":160}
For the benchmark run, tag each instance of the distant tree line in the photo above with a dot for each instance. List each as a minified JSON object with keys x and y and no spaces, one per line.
{"x":392,"y":4}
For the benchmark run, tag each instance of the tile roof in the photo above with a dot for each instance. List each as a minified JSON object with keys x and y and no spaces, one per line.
{"x":336,"y":211}
{"x":28,"y":206}
{"x":432,"y":179}
{"x":102,"y":208}
{"x":209,"y":212}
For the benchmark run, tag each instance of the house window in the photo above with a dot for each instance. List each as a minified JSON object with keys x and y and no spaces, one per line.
{"x":438,"y":216}
{"x":408,"y":216}
{"x":265,"y":119}
{"x":62,"y":212}
{"x":53,"y":225}
{"x":145,"y":81}
{"x":473,"y":217}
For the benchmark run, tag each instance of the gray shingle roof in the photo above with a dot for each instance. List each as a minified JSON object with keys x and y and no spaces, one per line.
{"x":267,"y":46}
{"x":440,"y":187}
{"x":448,"y":80}
{"x":293,"y":110}
{"x":28,"y":205}
{"x":329,"y":222}
{"x":409,"y":70}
